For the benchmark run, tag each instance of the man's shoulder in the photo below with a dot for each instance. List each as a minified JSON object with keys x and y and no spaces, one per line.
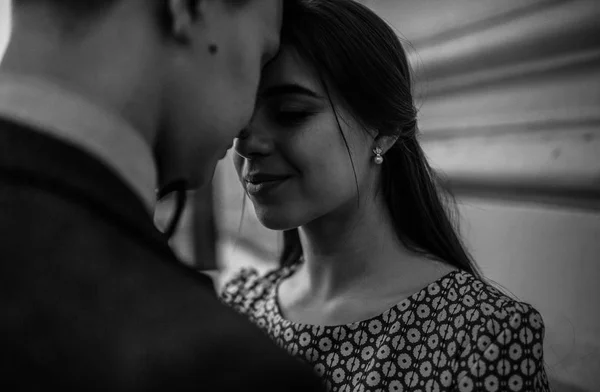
{"x":132,"y":312}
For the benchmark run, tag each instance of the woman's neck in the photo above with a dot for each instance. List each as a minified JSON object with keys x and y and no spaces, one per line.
{"x":351,"y":250}
{"x":353,"y":256}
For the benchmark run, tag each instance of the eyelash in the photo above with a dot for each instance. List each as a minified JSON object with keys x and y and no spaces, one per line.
{"x":290,"y":118}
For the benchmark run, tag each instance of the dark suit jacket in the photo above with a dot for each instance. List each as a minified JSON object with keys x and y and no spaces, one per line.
{"x":92,"y":298}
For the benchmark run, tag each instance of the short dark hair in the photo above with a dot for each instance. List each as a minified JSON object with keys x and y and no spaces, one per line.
{"x":71,"y":14}
{"x":71,"y":6}
{"x":74,"y":13}
{"x":90,"y":7}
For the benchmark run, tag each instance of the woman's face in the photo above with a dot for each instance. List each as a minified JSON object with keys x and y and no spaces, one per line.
{"x":292,"y":160}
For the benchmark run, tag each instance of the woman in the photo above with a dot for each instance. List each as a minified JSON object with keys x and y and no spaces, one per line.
{"x":375,"y":290}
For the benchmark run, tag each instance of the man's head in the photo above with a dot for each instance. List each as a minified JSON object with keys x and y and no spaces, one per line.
{"x":184,"y":72}
{"x":217,"y":55}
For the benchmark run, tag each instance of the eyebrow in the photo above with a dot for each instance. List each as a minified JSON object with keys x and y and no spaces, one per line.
{"x":288,"y":89}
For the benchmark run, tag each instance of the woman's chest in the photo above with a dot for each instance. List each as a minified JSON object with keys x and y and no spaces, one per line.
{"x":393,"y":354}
{"x":370,"y":360}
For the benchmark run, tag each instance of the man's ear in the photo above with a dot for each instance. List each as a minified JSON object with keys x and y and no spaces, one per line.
{"x":184,"y":15}
{"x":385,"y":142}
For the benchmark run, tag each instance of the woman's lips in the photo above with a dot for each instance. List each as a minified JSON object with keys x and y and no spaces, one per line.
{"x":262,"y":183}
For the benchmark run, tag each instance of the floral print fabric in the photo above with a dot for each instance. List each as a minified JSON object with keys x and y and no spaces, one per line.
{"x":457,"y":334}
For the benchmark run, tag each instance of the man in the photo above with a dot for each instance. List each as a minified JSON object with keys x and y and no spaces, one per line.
{"x":101,"y":103}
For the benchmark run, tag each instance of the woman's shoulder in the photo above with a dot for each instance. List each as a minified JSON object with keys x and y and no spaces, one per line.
{"x":493,"y":310}
{"x":495,"y":331}
{"x":248,"y":284}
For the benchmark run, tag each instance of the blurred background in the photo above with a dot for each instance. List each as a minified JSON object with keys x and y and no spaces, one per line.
{"x":509,"y":97}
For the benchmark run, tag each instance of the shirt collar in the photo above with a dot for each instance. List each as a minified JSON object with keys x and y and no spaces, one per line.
{"x":62,"y":114}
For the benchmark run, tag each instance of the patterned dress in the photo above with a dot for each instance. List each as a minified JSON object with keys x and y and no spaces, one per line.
{"x":456,"y":334}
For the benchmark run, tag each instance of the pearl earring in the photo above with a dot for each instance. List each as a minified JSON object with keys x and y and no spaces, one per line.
{"x":378,"y":158}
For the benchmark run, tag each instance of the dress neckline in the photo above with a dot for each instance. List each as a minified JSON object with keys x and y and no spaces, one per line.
{"x":401,"y":306}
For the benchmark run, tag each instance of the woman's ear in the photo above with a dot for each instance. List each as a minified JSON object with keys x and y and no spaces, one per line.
{"x":385,"y":142}
{"x":185,"y":16}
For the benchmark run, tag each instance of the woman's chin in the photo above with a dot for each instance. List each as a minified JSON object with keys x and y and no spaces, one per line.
{"x":273,"y":220}
{"x":277,"y":224}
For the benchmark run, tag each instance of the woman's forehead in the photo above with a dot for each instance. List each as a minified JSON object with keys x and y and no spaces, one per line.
{"x":289,"y":67}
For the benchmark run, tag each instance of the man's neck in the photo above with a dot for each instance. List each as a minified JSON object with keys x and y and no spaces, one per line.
{"x":99,"y":66}
{"x":54,"y":111}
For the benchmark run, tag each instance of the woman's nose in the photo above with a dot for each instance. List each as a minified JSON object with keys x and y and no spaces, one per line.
{"x":252,"y":143}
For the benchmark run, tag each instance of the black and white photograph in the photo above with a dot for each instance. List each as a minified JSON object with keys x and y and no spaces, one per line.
{"x":300,"y":195}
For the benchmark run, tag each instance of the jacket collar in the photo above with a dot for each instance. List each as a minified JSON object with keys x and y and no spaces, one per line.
{"x":55,"y":111}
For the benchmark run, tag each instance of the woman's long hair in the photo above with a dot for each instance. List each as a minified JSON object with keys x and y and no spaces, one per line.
{"x":363,"y":61}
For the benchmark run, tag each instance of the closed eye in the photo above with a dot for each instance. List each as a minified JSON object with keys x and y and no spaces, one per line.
{"x":291,"y":118}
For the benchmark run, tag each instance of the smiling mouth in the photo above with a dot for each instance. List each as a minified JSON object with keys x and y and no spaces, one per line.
{"x":263,"y":183}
